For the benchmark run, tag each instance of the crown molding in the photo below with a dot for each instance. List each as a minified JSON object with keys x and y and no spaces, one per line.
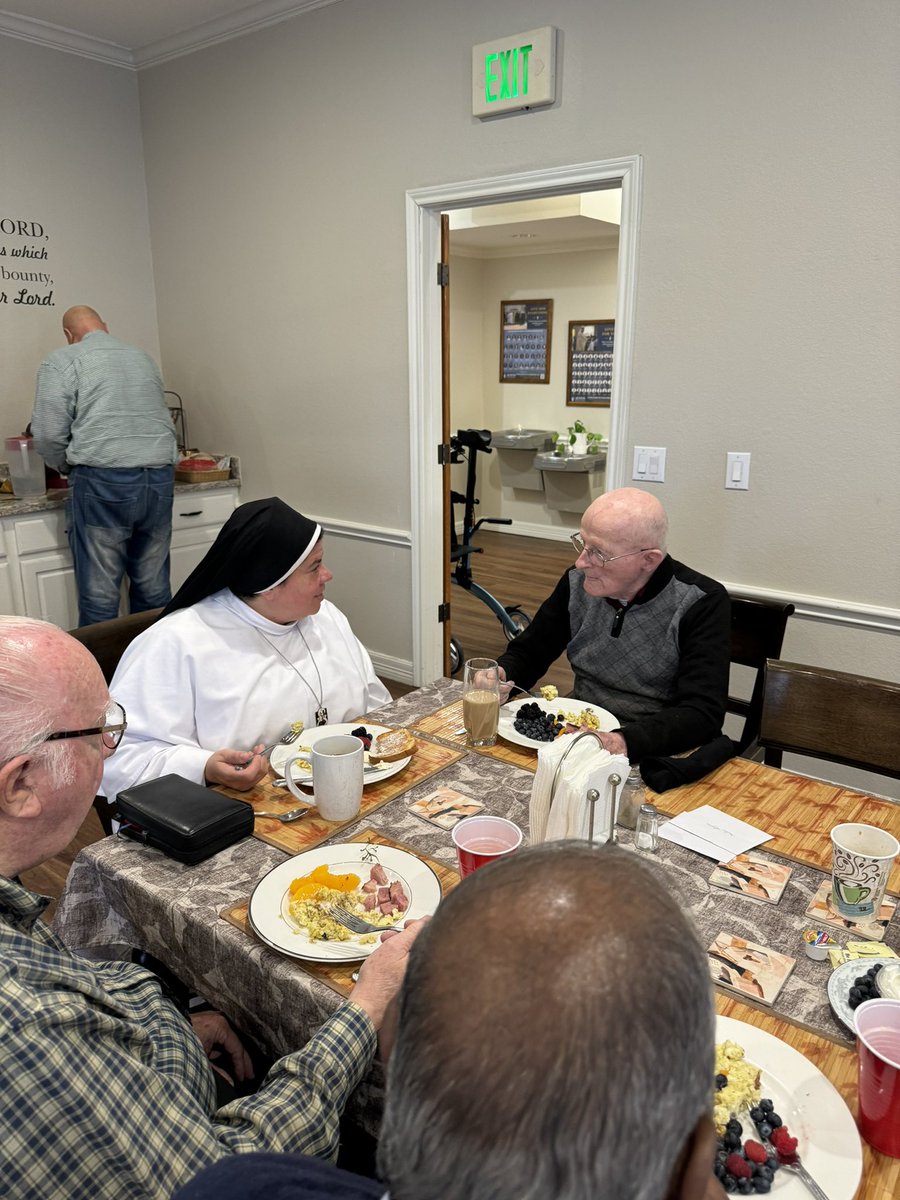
{"x":210,"y":33}
{"x":55,"y":37}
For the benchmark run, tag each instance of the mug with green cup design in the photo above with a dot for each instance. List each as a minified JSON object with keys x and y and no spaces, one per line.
{"x":861,"y":861}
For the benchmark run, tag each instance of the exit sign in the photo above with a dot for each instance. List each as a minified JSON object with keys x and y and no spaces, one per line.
{"x":514,"y":73}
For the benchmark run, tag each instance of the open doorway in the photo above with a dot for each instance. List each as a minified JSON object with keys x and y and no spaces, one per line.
{"x":423,"y":253}
{"x":524,"y":383}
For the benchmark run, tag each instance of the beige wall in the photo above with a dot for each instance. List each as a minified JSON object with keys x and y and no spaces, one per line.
{"x":71,"y":159}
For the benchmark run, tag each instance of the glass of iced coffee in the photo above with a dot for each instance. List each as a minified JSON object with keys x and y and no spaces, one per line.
{"x":481,"y":701}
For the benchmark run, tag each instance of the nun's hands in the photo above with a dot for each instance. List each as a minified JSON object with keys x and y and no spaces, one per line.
{"x":238,"y":769}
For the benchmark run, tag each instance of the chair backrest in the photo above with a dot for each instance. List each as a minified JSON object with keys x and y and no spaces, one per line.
{"x":757,"y":634}
{"x":831,"y":715}
{"x":107,"y":640}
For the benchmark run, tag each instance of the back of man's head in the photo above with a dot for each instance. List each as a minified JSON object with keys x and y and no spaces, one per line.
{"x":555,"y":1037}
{"x":81,"y":320}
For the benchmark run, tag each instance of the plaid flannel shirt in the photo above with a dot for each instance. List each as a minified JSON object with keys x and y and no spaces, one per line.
{"x":106,"y":1091}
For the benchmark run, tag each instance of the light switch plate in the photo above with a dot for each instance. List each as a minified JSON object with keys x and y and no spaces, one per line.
{"x":737,"y":470}
{"x":650,"y":463}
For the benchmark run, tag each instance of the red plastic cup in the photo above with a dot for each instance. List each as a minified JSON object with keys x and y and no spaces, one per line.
{"x":878,"y":1050}
{"x":481,"y":840}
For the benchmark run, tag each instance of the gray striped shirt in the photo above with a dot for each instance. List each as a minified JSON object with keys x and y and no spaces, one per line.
{"x":100,"y":403}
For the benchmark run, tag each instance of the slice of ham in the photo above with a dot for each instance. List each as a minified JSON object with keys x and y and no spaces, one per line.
{"x":378,"y":874}
{"x":398,"y":896}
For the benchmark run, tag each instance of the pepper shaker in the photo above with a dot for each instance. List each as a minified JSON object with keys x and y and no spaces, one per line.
{"x":630,"y":799}
{"x":646,"y":835}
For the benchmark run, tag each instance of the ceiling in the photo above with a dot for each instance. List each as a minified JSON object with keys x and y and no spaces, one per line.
{"x":139,"y":33}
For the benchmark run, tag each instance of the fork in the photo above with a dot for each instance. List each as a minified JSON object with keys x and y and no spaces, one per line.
{"x":294,"y":814}
{"x":794,"y":1164}
{"x":517,"y":687}
{"x":350,"y":920}
{"x":291,"y":736}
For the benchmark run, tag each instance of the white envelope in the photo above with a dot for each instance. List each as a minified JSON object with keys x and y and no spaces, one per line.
{"x":713,"y":833}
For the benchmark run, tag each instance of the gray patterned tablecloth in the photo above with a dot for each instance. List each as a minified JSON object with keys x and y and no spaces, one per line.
{"x":120,"y":894}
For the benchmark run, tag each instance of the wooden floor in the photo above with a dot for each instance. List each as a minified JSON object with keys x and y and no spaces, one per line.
{"x":517,"y":570}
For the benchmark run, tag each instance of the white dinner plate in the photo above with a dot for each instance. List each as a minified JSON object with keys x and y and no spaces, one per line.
{"x":309,"y":737}
{"x":811,"y":1107}
{"x":842,"y":979}
{"x":509,"y":733}
{"x":270,"y":916}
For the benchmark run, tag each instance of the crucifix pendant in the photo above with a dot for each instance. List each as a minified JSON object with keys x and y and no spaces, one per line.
{"x":322,"y":715}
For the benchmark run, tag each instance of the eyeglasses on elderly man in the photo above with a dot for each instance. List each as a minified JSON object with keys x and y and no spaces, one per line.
{"x":112,"y":730}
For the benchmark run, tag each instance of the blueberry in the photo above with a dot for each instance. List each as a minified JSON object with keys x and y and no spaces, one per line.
{"x":774,"y":1164}
{"x":732,"y":1141}
{"x":766,"y":1105}
{"x":765,"y":1129}
{"x":734,"y":1126}
{"x":745,"y":1186}
{"x":765,"y":1171}
{"x":774,"y":1120}
{"x":729,"y":1183}
{"x":761,"y":1186}
{"x":719,"y":1170}
{"x":756,"y":1115}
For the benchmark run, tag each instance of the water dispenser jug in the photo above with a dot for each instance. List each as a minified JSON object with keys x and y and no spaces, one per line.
{"x":26,"y":468}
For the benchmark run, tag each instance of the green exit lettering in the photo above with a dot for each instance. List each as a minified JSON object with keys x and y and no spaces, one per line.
{"x":509,"y":69}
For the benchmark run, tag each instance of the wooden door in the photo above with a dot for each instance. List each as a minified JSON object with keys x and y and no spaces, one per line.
{"x":444,"y":284}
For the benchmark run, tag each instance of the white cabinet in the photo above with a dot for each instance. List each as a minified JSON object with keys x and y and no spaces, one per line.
{"x":196,"y":520}
{"x":36,"y":574}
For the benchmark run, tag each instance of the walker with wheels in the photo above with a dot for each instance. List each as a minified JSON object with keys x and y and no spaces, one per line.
{"x":512,"y":617}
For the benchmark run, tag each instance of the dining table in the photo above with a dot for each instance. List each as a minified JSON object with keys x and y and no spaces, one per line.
{"x":121,"y":894}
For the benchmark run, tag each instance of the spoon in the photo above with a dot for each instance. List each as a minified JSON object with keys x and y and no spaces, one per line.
{"x":294,"y":814}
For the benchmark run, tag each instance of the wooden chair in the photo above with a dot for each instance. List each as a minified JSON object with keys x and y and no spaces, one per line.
{"x":831,"y":715}
{"x":757,"y":634}
{"x":107,"y":641}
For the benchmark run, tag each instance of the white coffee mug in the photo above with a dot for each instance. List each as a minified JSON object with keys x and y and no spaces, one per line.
{"x":337,"y":770}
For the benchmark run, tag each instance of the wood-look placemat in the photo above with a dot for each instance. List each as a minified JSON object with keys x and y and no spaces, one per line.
{"x":447,"y":723}
{"x":881,"y":1175}
{"x":310,"y":831}
{"x":339,"y":975}
{"x":798,"y":812}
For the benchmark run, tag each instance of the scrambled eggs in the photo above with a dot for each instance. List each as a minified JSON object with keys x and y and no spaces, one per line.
{"x":742,"y":1090}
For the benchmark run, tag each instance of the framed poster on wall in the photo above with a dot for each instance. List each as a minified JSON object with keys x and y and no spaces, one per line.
{"x":590,"y":363}
{"x":526,"y":329}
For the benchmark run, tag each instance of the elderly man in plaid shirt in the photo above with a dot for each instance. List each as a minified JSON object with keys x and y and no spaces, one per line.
{"x":107,"y":1088}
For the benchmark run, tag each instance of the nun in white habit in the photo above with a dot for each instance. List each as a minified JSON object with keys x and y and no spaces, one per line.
{"x":247,"y":646}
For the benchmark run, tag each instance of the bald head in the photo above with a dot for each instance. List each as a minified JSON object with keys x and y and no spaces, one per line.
{"x":632,"y":516}
{"x":80,"y":320}
{"x":48,"y":682}
{"x":536,"y":1030}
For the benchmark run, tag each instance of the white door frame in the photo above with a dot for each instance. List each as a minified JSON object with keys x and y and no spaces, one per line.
{"x":423,"y":209}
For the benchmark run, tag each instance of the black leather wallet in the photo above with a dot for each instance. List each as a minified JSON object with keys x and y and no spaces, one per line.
{"x":183,"y":819}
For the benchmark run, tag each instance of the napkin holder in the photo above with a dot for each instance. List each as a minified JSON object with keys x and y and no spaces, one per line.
{"x":593,"y":794}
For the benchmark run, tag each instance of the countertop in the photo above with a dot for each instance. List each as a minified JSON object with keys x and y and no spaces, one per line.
{"x":56,"y":497}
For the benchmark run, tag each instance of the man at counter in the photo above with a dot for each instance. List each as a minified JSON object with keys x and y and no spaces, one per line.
{"x":100,"y":417}
{"x":107,"y":1089}
{"x":647,"y":637}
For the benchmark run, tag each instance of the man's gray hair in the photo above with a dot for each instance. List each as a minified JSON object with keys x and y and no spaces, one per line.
{"x":26,"y":707}
{"x":556,"y":1036}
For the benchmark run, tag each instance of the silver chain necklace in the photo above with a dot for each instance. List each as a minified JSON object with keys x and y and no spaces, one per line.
{"x":321,"y":711}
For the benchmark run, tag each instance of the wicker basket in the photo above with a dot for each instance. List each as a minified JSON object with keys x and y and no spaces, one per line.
{"x":210,"y":476}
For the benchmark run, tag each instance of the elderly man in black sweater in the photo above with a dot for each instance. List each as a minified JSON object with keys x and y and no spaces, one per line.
{"x":647,"y":637}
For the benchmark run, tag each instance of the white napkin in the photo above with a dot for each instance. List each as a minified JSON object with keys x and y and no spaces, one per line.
{"x":567,"y":813}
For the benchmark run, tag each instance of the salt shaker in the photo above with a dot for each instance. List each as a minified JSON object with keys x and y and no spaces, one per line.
{"x":646,"y":836}
{"x":631,"y":799}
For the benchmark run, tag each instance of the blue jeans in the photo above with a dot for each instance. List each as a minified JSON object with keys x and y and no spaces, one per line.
{"x":120,"y":523}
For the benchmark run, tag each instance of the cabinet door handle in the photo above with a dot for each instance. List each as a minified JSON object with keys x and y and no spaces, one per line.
{"x":197,"y":513}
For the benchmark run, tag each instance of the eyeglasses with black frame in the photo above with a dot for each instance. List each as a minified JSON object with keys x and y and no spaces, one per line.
{"x":112,"y":731}
{"x":597,"y":557}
